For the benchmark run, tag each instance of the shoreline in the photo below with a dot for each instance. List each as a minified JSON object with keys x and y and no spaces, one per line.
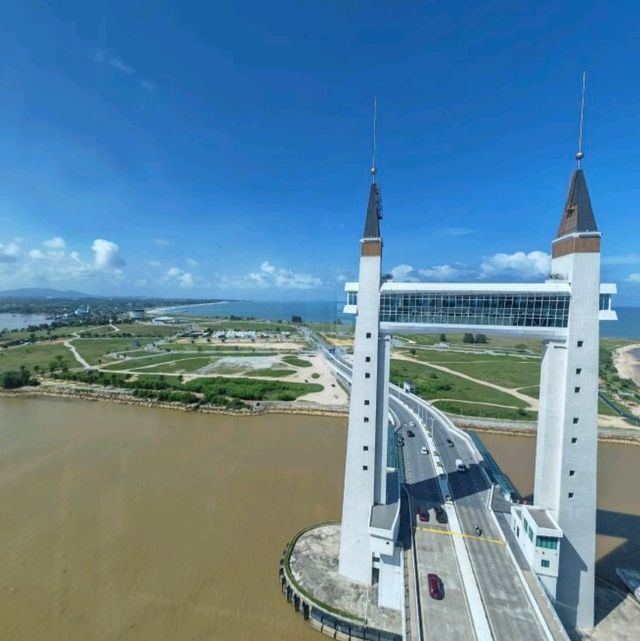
{"x":276,"y":408}
{"x":626,"y":364}
{"x":164,"y":310}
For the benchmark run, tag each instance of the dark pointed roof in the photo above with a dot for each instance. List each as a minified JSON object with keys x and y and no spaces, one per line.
{"x":374,"y":213}
{"x":578,"y":214}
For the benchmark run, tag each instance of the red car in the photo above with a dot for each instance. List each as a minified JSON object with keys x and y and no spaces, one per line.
{"x":436,"y":589}
{"x":423,"y":515}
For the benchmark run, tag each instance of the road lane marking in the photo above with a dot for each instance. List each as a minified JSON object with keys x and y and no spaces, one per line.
{"x":486,"y":539}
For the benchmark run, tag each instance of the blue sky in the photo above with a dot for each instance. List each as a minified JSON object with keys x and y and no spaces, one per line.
{"x":222,"y":149}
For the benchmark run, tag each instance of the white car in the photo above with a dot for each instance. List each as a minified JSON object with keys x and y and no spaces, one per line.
{"x":412,"y":424}
{"x":424,"y":450}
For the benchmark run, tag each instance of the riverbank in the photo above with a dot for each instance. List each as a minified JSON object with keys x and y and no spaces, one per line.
{"x":627,"y":363}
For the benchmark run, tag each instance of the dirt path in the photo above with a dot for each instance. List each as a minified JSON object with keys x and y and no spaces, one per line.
{"x":531,"y":402}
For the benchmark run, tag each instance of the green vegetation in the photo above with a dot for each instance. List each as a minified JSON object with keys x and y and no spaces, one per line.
{"x":271,"y":372}
{"x":13,"y":379}
{"x":189,"y":364}
{"x":93,"y":350}
{"x":503,"y":343}
{"x":315,"y":375}
{"x":297,"y":362}
{"x":479,"y":410}
{"x":431,"y":384}
{"x":35,"y":357}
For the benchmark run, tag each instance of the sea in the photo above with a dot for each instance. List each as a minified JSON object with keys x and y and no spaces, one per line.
{"x":20,"y":321}
{"x":627,"y":325}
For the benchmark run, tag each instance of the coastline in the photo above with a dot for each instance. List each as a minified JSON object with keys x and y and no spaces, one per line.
{"x":626,"y":364}
{"x":163,"y":310}
{"x":277,"y":407}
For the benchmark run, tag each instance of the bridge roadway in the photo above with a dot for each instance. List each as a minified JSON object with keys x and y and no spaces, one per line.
{"x":508,"y":606}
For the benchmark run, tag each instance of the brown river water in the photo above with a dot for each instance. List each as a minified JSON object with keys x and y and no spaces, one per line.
{"x":129,"y":523}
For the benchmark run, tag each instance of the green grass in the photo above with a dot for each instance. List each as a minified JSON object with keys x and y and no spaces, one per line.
{"x":160,"y":331}
{"x":531,"y":390}
{"x":183,"y":365}
{"x":508,"y":374}
{"x":32,"y":355}
{"x":136,"y":363}
{"x":271,"y":372}
{"x":431,"y":383}
{"x":297,"y":362}
{"x":95,"y":349}
{"x":486,"y":411}
{"x":493,"y":342}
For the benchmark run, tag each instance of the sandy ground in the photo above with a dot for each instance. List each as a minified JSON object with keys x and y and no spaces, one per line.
{"x":332,"y":394}
{"x":626,"y":364}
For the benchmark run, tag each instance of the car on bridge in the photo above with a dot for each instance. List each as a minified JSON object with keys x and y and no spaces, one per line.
{"x":450,"y":442}
{"x":436,"y":587}
{"x":441,"y":515}
{"x":411,"y":433}
{"x":424,"y":450}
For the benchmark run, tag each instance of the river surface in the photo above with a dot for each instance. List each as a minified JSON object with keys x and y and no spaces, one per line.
{"x":20,"y":321}
{"x":618,"y":526}
{"x":140,"y":524}
{"x":132,"y":523}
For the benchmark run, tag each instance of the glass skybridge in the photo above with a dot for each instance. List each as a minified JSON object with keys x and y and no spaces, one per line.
{"x":534,"y":310}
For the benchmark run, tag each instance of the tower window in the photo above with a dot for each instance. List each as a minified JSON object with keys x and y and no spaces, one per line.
{"x":572,"y":472}
{"x":365,"y":468}
{"x":576,"y":390}
{"x":579,"y":370}
{"x":544,"y":563}
{"x":365,"y":448}
{"x":367,"y":359}
{"x":366,"y":419}
{"x":574,"y":440}
{"x":571,"y":495}
{"x":366,"y":402}
{"x":368,"y":335}
{"x":580,"y":343}
{"x":575,"y":420}
{"x":367,"y":375}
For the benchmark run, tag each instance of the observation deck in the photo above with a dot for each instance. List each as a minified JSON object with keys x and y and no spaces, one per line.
{"x":538,"y":310}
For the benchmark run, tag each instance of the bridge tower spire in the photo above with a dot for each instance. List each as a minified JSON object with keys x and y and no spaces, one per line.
{"x":566,"y":450}
{"x":371,"y":491}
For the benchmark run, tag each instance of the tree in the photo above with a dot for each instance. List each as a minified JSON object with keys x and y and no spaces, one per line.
{"x":480,"y":338}
{"x":468,"y":338}
{"x":443,"y":338}
{"x":295,"y":318}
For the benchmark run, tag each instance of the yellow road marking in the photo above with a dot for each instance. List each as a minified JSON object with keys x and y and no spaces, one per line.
{"x":461,"y":534}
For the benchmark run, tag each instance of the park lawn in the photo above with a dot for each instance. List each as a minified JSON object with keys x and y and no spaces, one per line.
{"x":188,"y":364}
{"x":431,"y":383}
{"x":148,"y":359}
{"x":508,"y":374}
{"x":493,"y":342}
{"x":32,"y":355}
{"x":217,"y":324}
{"x":95,"y":349}
{"x":149,"y":329}
{"x":486,"y":411}
{"x":445,"y":356}
{"x":273,"y":372}
{"x":297,"y":362}
{"x":531,"y":390}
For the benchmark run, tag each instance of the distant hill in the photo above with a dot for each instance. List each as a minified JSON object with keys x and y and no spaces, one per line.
{"x":42,"y":292}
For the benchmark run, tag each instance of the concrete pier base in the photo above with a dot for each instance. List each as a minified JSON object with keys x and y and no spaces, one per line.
{"x":335,"y":605}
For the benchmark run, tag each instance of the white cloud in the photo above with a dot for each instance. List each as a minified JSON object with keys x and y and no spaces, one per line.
{"x":269,"y":277}
{"x":191,"y":262}
{"x":106,"y":255}
{"x":57,"y":242}
{"x":37,"y":254}
{"x":154,"y":263}
{"x":408,"y":274}
{"x":106,"y":58}
{"x":160,"y":242}
{"x":517,"y":265}
{"x":184,"y":279}
{"x":633,"y":278}
{"x":11,"y":252}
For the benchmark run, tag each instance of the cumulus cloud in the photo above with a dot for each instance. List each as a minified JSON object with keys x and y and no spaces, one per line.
{"x":191,"y":262}
{"x":11,"y":252}
{"x":269,"y":277}
{"x":184,"y":279}
{"x":56,"y":242}
{"x":106,"y":255}
{"x":160,"y":242}
{"x":438,"y":273}
{"x":518,"y":265}
{"x":154,"y":263}
{"x":633,"y":278}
